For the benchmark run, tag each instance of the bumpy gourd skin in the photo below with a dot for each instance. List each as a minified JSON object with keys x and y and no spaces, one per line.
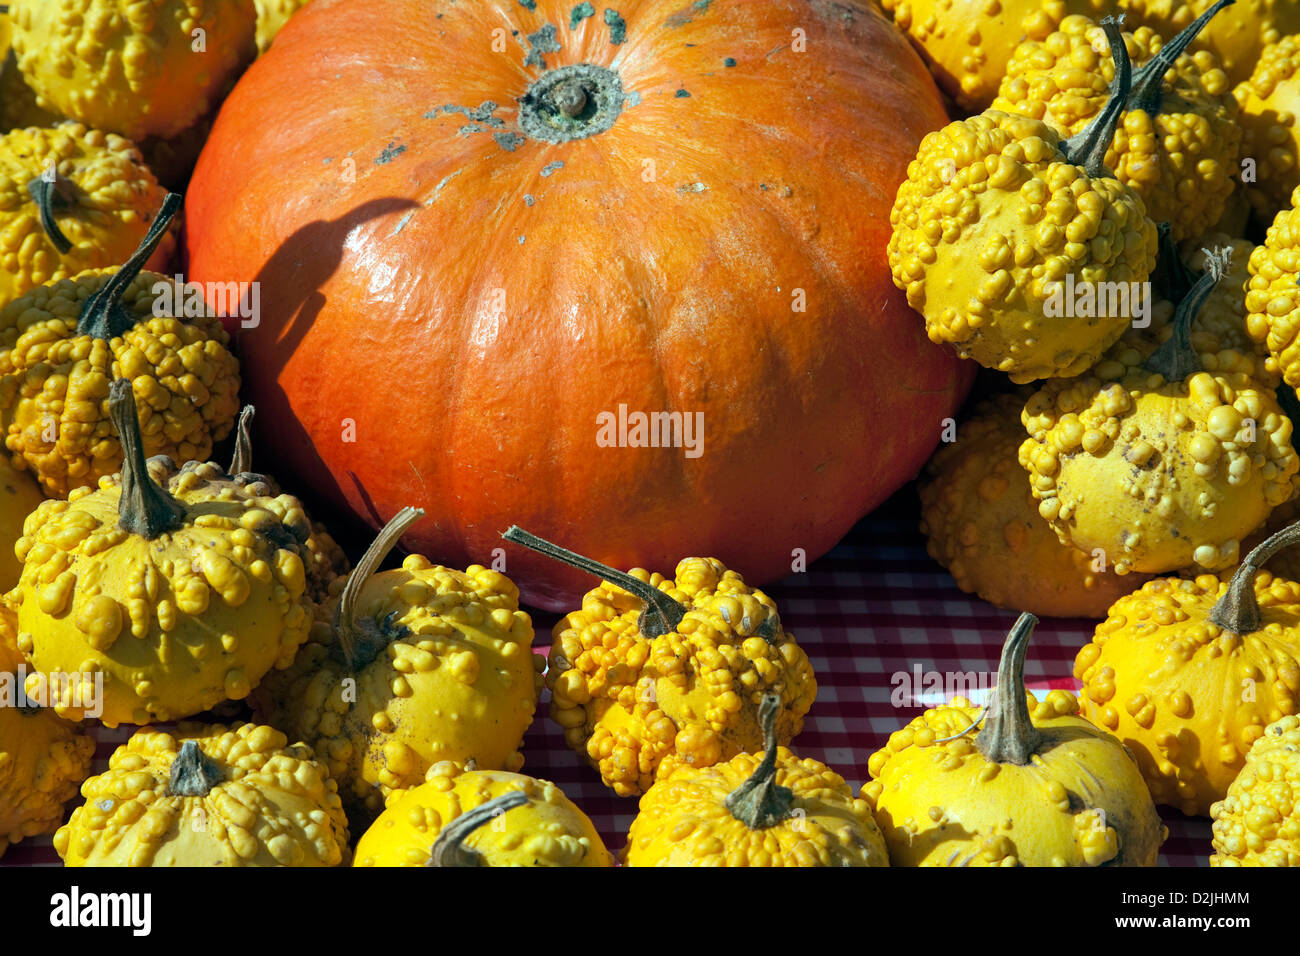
{"x":1257,"y":823}
{"x":1159,"y":475}
{"x":43,"y":760}
{"x":19,"y":497}
{"x":274,"y":805}
{"x":1269,"y":102}
{"x":271,"y":16}
{"x":457,"y":681}
{"x":17,"y":101}
{"x":1272,"y":296}
{"x":944,"y":804}
{"x":549,"y":830}
{"x":131,"y":67}
{"x":1237,"y":35}
{"x":981,"y":523}
{"x":10,"y":657}
{"x":638,"y":708}
{"x":108,"y":198}
{"x":684,"y":820}
{"x":178,"y":624}
{"x":989,"y":216}
{"x":1185,"y":695}
{"x":54,"y":381}
{"x":1181,"y":161}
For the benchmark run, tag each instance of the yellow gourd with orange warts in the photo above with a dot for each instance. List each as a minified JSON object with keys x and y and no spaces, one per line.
{"x":773,"y":809}
{"x":460,"y":817}
{"x":178,"y":588}
{"x":1038,"y":785}
{"x":423,"y":664}
{"x":981,"y":523}
{"x":1189,"y":672}
{"x":61,"y":345}
{"x":1176,"y":143}
{"x":208,"y":796}
{"x":1257,"y":823}
{"x":999,"y":215}
{"x":653,"y":673}
{"x":1169,"y":466}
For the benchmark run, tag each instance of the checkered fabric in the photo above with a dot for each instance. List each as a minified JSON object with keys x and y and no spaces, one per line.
{"x":875,"y":606}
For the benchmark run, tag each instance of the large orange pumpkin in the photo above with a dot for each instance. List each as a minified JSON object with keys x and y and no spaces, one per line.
{"x":479,"y":227}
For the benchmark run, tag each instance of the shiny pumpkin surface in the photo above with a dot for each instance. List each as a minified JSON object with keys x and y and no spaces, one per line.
{"x":455,"y":680}
{"x":683,"y":819}
{"x":269,"y":804}
{"x":177,"y":624}
{"x":43,"y":760}
{"x":1079,"y":802}
{"x":548,"y":830}
{"x":639,"y":707}
{"x":106,"y":200}
{"x":981,"y":522}
{"x":742,"y":189}
{"x":1258,"y":823}
{"x":136,"y":69}
{"x":1186,"y":696}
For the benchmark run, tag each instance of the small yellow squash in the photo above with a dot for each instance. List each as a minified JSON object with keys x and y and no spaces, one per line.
{"x":422,"y":664}
{"x":1188,"y":673}
{"x":652,"y":673}
{"x":1038,"y":786}
{"x":208,"y":796}
{"x":1258,"y":822}
{"x":773,"y":810}
{"x":460,"y":817}
{"x":180,"y":588}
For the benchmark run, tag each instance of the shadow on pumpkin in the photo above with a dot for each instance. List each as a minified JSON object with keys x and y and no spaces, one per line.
{"x":291,"y":281}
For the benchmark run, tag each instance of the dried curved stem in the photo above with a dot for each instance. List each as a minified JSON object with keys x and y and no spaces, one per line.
{"x":450,"y":850}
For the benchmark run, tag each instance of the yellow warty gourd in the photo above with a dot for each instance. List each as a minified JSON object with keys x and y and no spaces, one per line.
{"x":1038,"y":786}
{"x":71,"y":199}
{"x":1269,"y":102}
{"x":1272,"y":295}
{"x":1188,"y":673}
{"x":62,"y":344}
{"x":271,"y":16}
{"x":43,"y":760}
{"x":653,"y":673}
{"x":1176,"y":142}
{"x":10,"y":657}
{"x":132,"y":68}
{"x":1236,"y":37}
{"x":1165,"y":468}
{"x":981,"y":522}
{"x":208,"y":796}
{"x":17,"y":101}
{"x":998,"y":216}
{"x":178,"y":587}
{"x":19,"y":497}
{"x":460,"y":817}
{"x":1258,"y":822}
{"x":770,"y":810}
{"x":423,"y":664}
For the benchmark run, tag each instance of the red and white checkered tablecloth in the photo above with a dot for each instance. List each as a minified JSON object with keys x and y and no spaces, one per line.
{"x":874,"y":606}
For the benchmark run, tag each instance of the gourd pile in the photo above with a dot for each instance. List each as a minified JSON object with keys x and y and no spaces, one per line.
{"x":1110,"y":220}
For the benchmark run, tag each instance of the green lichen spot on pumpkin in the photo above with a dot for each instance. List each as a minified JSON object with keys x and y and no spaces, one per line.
{"x":528,"y":4}
{"x":681,"y":94}
{"x":683,"y":17}
{"x":580,"y":13}
{"x":391,"y":152}
{"x":617,"y":27}
{"x":729,"y":61}
{"x":543,"y":41}
{"x":508,"y":141}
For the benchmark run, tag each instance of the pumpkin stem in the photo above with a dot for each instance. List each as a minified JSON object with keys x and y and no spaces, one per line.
{"x":360,"y":641}
{"x":143,"y":508}
{"x":1087,"y":148}
{"x":760,"y":802}
{"x":1238,"y":610}
{"x":570,"y":98}
{"x":450,"y":850}
{"x":1172,"y":280}
{"x":193,"y":774}
{"x":49,"y":198}
{"x":103,"y":316}
{"x":1148,"y":82}
{"x":662,"y":614}
{"x":241,"y":463}
{"x":1009,"y":736}
{"x":1175,"y":360}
